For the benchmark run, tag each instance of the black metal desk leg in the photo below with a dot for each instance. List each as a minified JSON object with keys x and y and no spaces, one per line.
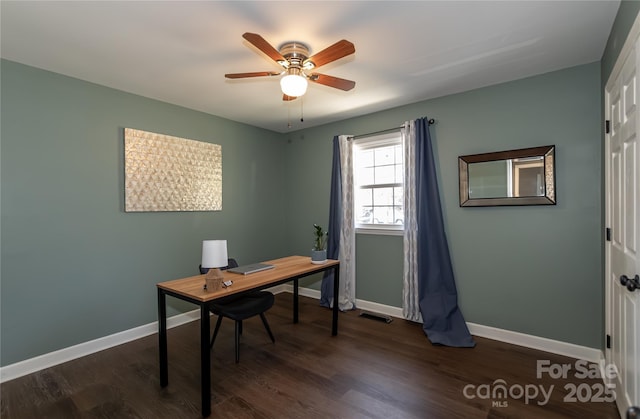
{"x":162,"y":337}
{"x":295,"y":300}
{"x":205,"y":360}
{"x":336,"y":288}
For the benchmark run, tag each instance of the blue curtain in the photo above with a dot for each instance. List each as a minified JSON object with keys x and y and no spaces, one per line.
{"x":438,"y":298}
{"x":335,"y":220}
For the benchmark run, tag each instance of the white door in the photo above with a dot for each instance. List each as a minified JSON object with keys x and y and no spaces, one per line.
{"x":622,"y":190}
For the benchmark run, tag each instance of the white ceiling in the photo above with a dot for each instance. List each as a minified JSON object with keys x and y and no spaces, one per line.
{"x":178,"y":52}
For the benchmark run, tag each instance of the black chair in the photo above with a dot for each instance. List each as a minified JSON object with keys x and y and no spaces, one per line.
{"x":239,"y":308}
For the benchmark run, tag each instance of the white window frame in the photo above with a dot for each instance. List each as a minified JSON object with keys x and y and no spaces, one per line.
{"x":376,"y":141}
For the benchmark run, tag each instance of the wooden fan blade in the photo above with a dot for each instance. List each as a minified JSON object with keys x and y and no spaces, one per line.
{"x":334,"y":52}
{"x":288,"y":98}
{"x":254,"y":74}
{"x":260,"y":43}
{"x":331,"y":81}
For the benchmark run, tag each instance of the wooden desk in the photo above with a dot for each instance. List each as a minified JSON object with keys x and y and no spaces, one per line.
{"x":191,"y":289}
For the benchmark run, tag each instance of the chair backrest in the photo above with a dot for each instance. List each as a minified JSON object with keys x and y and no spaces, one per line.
{"x":231,"y":263}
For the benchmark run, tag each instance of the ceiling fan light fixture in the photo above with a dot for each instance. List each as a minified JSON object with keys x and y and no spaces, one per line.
{"x":294,"y":83}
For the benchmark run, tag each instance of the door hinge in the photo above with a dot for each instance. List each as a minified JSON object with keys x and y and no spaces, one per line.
{"x":608,"y":234}
{"x":607,"y":126}
{"x":608,"y":341}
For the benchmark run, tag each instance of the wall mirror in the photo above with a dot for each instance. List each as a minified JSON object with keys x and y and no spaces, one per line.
{"x":514,"y":177}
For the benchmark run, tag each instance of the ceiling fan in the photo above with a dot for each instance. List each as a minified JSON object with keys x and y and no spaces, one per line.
{"x":298,"y":65}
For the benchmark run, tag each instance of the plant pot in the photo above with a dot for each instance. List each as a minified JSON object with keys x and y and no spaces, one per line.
{"x":318,"y":257}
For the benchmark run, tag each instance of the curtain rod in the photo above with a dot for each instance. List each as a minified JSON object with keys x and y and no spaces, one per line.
{"x":431,"y":122}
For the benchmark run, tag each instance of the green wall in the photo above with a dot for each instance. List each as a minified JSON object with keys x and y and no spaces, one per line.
{"x":627,"y":14}
{"x":535,"y":269}
{"x":75,"y":266}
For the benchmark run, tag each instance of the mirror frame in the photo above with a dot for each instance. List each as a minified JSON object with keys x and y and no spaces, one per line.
{"x":547,"y":152}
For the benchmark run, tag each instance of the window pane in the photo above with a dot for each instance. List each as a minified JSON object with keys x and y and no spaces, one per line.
{"x":365,"y":216}
{"x":364,"y":158}
{"x":382,"y":215}
{"x":364,"y":197}
{"x":383,"y":196}
{"x":399,"y":174}
{"x":365,"y":176}
{"x":398,"y":198}
{"x":385,"y":174}
{"x":398,"y":215}
{"x":384,"y":155}
{"x":399,"y":153}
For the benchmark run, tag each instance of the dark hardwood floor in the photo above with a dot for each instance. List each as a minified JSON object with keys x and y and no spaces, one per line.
{"x":370,"y":370}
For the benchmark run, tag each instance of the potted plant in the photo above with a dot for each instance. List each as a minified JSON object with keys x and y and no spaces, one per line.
{"x":319,"y":251}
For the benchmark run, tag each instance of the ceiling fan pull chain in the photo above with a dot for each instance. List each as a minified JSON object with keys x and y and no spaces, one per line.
{"x":289,"y":115}
{"x":301,"y":111}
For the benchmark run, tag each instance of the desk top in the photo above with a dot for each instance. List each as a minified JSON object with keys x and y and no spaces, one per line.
{"x":284,"y":268}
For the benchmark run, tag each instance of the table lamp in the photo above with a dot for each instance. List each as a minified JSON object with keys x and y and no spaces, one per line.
{"x":214,"y":256}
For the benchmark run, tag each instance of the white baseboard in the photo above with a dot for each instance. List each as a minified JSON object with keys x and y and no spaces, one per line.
{"x":502,"y":335}
{"x":41,"y":362}
{"x":537,"y":342}
{"x":360,"y":304}
{"x":50,"y":359}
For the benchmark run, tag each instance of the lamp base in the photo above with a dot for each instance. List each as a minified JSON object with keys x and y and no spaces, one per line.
{"x":213,"y":279}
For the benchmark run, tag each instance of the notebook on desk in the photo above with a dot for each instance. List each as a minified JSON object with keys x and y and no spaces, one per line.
{"x":249,"y":269}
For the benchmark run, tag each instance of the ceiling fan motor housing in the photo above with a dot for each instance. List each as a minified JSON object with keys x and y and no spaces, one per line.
{"x":296,"y":53}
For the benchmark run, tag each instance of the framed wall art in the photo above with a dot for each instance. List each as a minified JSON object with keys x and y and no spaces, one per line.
{"x":165,"y":173}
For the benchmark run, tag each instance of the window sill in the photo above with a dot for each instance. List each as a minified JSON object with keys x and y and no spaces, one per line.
{"x":380,"y":231}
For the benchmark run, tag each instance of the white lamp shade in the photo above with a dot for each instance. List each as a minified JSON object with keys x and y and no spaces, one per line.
{"x":293,"y":85}
{"x":214,"y":253}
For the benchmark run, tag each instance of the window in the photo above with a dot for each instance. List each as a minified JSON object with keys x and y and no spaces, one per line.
{"x":378,"y":181}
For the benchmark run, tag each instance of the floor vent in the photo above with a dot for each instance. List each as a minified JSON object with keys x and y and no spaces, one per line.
{"x":375,"y":316}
